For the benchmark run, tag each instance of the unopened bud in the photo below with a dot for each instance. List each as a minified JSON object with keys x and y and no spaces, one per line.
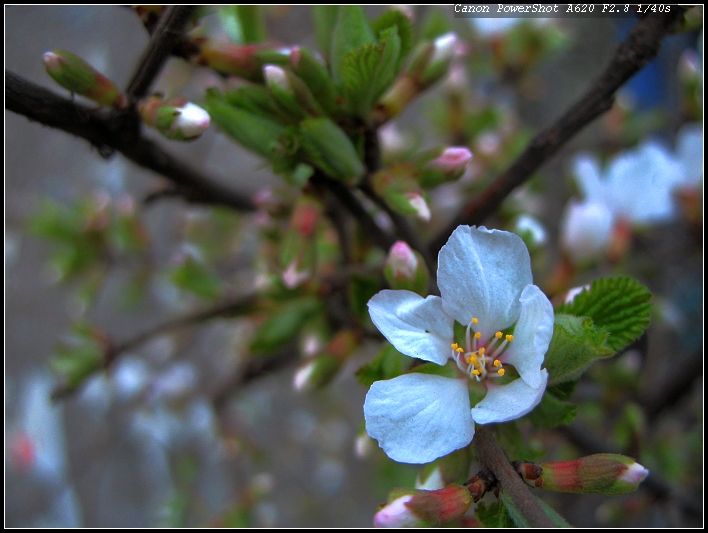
{"x":424,"y":507}
{"x":405,"y":269}
{"x":451,"y":468}
{"x":530,"y":230}
{"x":299,"y":253}
{"x":450,"y":165}
{"x":244,"y":61}
{"x":275,"y":75}
{"x":76,"y":75}
{"x":291,"y":94}
{"x":176,"y":118}
{"x":602,"y":473}
{"x":319,"y":370}
{"x":401,"y":191}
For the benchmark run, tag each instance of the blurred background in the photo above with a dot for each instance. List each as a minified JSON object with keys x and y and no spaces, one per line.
{"x":166,"y":438}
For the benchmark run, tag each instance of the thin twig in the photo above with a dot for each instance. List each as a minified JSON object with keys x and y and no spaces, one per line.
{"x":492,"y":456}
{"x":166,"y":36}
{"x":113,"y":130}
{"x":641,"y":45}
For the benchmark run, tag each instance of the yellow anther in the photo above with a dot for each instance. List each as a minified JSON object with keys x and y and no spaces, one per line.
{"x":471,"y":359}
{"x":477,"y":335}
{"x":475,"y":321}
{"x":498,"y":334}
{"x":482,"y":350}
{"x":454,"y":346}
{"x":459,"y":350}
{"x":476,"y":372}
{"x":500,"y":371}
{"x":497,"y":363}
{"x":510,"y":338}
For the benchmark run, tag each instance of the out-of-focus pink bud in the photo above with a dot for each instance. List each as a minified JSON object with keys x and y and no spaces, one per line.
{"x":76,"y":75}
{"x":411,"y":508}
{"x":448,"y":166}
{"x":405,"y":269}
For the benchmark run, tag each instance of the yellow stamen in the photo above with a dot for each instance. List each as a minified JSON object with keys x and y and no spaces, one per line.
{"x":475,"y":321}
{"x":477,"y":335}
{"x":497,"y":363}
{"x":454,"y":346}
{"x":510,"y":338}
{"x":476,"y":372}
{"x":498,"y":334}
{"x":500,"y":371}
{"x":471,"y":359}
{"x":482,"y":350}
{"x":459,"y":350}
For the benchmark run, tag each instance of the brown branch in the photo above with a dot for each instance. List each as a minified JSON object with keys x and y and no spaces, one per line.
{"x":492,"y":457}
{"x":166,"y":36}
{"x":641,"y":45}
{"x":114,"y":130}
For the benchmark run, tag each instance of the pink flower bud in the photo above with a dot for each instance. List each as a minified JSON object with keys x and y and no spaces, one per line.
{"x":448,"y":166}
{"x":402,"y":260}
{"x":424,"y":507}
{"x":419,"y":205}
{"x":397,"y":514}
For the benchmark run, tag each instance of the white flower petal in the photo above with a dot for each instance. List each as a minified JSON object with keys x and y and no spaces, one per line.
{"x":587,"y":176}
{"x":532,"y":336}
{"x":417,"y":418}
{"x":416,"y":326}
{"x":481,"y":274}
{"x":508,"y":402}
{"x":689,"y":149}
{"x":586,"y":229}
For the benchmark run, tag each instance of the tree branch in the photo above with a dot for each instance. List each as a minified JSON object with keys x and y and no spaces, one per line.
{"x":166,"y":36}
{"x":641,"y":45}
{"x":492,"y":456}
{"x":114,"y":130}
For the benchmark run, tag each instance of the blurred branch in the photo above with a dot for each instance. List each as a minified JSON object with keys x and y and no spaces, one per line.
{"x":166,"y":36}
{"x":639,"y":47}
{"x":113,"y":130}
{"x":491,"y":456}
{"x":113,"y":349}
{"x":677,"y":383}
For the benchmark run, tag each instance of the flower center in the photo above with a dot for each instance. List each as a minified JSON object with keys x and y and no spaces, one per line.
{"x":480,"y":358}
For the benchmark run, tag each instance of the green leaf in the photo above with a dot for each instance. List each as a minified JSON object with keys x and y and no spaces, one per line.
{"x":576,"y":343}
{"x":256,"y":133}
{"x":325,"y":18}
{"x":252,"y":23}
{"x":389,"y":363}
{"x":361,"y":290}
{"x":494,"y":515}
{"x":329,"y":148}
{"x":283,"y":324}
{"x":552,"y":412}
{"x":620,"y":305}
{"x":512,"y":510}
{"x":255,"y":99}
{"x":405,"y":31}
{"x":194,"y":276}
{"x":514,"y":443}
{"x":79,"y":356}
{"x":551,"y":513}
{"x":311,"y":71}
{"x":448,"y":371}
{"x":351,"y":31}
{"x":368,"y":71}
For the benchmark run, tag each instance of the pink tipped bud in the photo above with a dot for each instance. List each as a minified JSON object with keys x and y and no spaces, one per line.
{"x":445,"y":47}
{"x":405,"y":269}
{"x":424,"y":507}
{"x":295,"y":57}
{"x":419,"y":205}
{"x":448,"y":166}
{"x":275,"y":75}
{"x":76,"y":75}
{"x":176,"y":118}
{"x":602,"y":473}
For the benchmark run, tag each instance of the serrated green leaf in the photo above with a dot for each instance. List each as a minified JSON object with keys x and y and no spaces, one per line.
{"x":552,"y":412}
{"x":515,"y":514}
{"x":494,"y":515}
{"x":388,"y":364}
{"x":283,"y":324}
{"x":402,"y":23}
{"x":329,"y":148}
{"x":311,"y":71}
{"x":253,"y":131}
{"x":351,"y":31}
{"x":255,"y":99}
{"x":368,"y":71}
{"x":576,"y":343}
{"x":620,"y":305}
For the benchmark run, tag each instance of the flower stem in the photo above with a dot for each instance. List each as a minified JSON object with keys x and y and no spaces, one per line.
{"x":492,"y":456}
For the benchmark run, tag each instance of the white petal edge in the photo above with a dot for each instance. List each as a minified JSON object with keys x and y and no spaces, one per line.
{"x":508,"y":402}
{"x":586,"y":229}
{"x":481,"y":274}
{"x":588,"y":177}
{"x":417,"y":418}
{"x":416,"y":326}
{"x":532,"y":335}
